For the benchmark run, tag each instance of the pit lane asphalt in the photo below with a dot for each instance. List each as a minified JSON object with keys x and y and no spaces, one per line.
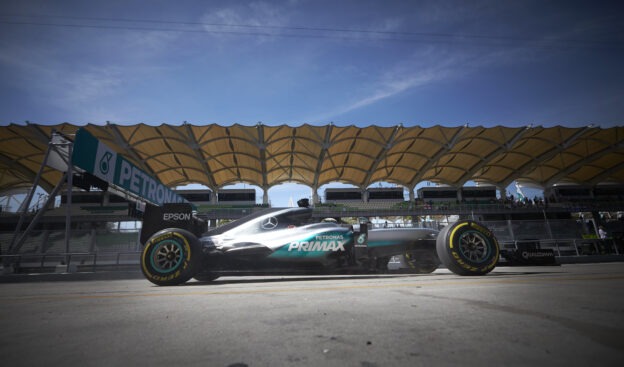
{"x":571,"y":315}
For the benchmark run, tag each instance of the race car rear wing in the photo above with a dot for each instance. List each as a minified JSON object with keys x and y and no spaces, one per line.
{"x":178,"y":215}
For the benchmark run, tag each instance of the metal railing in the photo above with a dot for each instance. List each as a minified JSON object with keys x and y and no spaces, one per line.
{"x":115,"y":261}
{"x":572,"y":246}
{"x":76,"y":261}
{"x":412,"y":209}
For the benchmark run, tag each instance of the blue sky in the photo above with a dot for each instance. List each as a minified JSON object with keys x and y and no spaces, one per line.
{"x":363,"y":62}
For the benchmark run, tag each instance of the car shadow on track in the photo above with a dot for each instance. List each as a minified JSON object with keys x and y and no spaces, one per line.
{"x":252,"y":279}
{"x":278,"y":279}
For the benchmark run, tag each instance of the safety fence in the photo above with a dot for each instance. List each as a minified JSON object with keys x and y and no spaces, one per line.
{"x":569,"y":247}
{"x":102,"y":250}
{"x":44,"y":251}
{"x":80,"y":241}
{"x":70,"y":262}
{"x":566,"y":250}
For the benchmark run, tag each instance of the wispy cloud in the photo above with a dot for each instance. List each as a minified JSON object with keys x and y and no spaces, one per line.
{"x":400,"y":80}
{"x":256,"y":18}
{"x":444,"y":61}
{"x":89,"y":84}
{"x":429,"y":66}
{"x":419,"y":71}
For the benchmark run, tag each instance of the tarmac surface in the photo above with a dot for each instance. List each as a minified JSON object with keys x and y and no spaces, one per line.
{"x":570,"y":315}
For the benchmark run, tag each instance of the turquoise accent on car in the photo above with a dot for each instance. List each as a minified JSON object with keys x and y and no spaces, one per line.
{"x":381,"y":243}
{"x":314,"y":247}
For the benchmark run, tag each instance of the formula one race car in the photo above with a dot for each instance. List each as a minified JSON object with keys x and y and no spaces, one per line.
{"x":285,"y":241}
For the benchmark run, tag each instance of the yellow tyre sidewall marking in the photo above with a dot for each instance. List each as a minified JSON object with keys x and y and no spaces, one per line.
{"x":154,"y":241}
{"x":453,"y":233}
{"x":457,"y":257}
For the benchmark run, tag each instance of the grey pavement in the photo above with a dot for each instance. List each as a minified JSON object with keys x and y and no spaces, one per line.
{"x":570,"y":315}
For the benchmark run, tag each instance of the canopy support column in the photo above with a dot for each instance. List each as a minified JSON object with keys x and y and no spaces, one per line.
{"x":26,"y":204}
{"x":18,"y":240}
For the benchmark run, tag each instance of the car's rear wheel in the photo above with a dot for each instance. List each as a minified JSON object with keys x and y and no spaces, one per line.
{"x":467,"y":248}
{"x":171,"y":256}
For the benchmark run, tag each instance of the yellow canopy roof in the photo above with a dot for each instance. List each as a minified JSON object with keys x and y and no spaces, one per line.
{"x":262,"y":155}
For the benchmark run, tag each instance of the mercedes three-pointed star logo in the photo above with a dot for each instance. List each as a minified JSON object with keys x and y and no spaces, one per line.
{"x":269,"y":223}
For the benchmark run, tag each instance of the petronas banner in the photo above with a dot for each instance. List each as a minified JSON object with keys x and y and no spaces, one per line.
{"x":95,"y":157}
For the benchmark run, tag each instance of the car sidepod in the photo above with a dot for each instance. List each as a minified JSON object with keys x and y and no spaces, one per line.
{"x":315,"y":244}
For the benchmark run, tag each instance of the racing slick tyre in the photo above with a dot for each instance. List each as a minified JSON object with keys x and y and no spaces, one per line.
{"x":421,"y":262}
{"x":467,"y":248}
{"x":171,"y":256}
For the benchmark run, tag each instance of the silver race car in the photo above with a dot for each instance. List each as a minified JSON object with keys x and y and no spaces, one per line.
{"x":286,"y":241}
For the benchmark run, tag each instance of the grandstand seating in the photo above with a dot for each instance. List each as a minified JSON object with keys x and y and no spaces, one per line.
{"x":371,"y":205}
{"x":79,"y":241}
{"x":48,"y":241}
{"x":106,"y":241}
{"x":32,"y":244}
{"x":88,"y":247}
{"x":5,"y":241}
{"x":81,"y":210}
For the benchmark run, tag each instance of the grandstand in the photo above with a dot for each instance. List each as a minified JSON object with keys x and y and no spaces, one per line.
{"x":93,"y":204}
{"x":94,"y":244}
{"x":438,"y":194}
{"x":240,"y":197}
{"x":568,"y":193}
{"x":370,"y":199}
{"x":386,"y":194}
{"x":197,"y":197}
{"x":478,"y":194}
{"x":342,"y":195}
{"x":580,"y":193}
{"x":609,"y":192}
{"x":105,"y":223}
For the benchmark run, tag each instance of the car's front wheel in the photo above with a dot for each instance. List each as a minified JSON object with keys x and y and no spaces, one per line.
{"x":171,"y":256}
{"x":467,"y":248}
